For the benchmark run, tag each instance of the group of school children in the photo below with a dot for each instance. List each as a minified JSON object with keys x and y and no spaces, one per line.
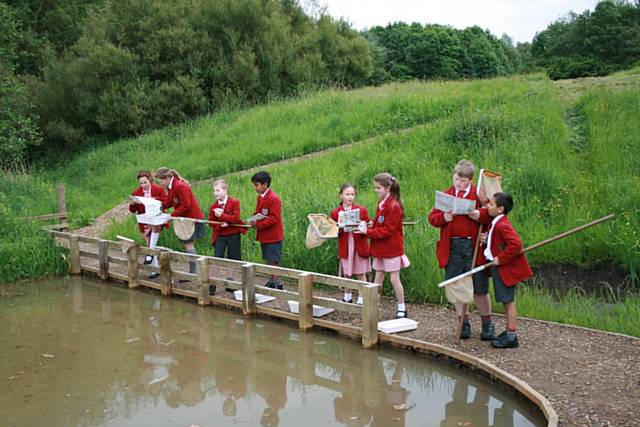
{"x":380,"y":239}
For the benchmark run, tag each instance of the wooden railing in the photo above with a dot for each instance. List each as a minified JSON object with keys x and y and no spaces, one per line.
{"x":123,"y":261}
{"x":61,"y":215}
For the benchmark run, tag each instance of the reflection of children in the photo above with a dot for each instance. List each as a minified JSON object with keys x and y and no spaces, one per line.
{"x":349,"y":408}
{"x":393,"y":406}
{"x":150,"y":233}
{"x":353,"y":249}
{"x":458,"y":234}
{"x":269,"y":228}
{"x":387,"y":242}
{"x":503,"y":248}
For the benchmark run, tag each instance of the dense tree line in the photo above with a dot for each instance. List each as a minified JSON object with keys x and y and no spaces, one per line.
{"x":407,"y":51}
{"x":120,"y":67}
{"x":592,"y":43}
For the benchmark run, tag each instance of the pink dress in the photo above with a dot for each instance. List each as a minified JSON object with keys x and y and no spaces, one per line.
{"x":354,"y":263}
{"x":389,"y":265}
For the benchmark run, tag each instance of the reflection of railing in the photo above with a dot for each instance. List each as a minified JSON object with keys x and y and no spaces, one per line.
{"x":61,"y":215}
{"x":121,"y":261}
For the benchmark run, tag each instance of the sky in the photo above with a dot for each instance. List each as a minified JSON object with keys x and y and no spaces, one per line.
{"x":520,"y":19}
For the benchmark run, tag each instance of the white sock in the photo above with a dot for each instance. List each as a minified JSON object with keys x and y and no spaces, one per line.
{"x":154,"y":262}
{"x":401,"y":307}
{"x":153,"y":240}
{"x":348,"y":296}
{"x":360,"y":301}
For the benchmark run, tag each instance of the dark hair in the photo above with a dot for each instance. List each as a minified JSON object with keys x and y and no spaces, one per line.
{"x":262,"y":178}
{"x":146,"y":174}
{"x":345,"y":186}
{"x":387,"y":180}
{"x":505,"y":200}
{"x":164,"y":173}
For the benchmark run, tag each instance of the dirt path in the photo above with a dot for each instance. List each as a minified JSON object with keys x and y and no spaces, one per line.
{"x":120,"y":212}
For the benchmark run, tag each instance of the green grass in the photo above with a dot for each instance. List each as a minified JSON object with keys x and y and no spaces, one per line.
{"x":513,"y":125}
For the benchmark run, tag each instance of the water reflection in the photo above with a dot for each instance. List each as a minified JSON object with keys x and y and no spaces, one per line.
{"x":167,"y":362}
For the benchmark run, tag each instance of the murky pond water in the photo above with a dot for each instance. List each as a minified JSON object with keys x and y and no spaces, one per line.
{"x":77,"y":353}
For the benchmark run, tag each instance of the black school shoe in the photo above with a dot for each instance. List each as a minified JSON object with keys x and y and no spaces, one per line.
{"x":465,"y":332}
{"x":148,"y":260}
{"x":212,"y":289}
{"x":503,"y":342}
{"x":488,"y":332}
{"x":274,"y":285}
{"x":402,"y":314}
{"x":154,"y":275}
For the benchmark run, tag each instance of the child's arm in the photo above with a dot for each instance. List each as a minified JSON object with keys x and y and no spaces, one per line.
{"x":234,"y":216}
{"x":437,"y":219}
{"x":391,"y":223}
{"x":512,"y":243}
{"x":274,"y":216}
{"x":182,"y":193}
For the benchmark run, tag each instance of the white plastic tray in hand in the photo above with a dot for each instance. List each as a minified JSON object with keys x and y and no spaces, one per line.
{"x":318,"y":311}
{"x":153,"y":220}
{"x":397,"y":325}
{"x":260,"y":299}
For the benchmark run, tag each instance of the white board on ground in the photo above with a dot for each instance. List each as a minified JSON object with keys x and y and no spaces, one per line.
{"x":260,"y":299}
{"x":397,"y":325}
{"x":318,"y":311}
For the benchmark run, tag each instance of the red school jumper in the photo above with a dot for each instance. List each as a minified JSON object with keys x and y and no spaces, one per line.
{"x":360,"y":241}
{"x":230,"y":214}
{"x":269,"y":230}
{"x":506,"y":246}
{"x":386,"y":233}
{"x":461,"y":226}
{"x":157,"y":193}
{"x":182,"y":200}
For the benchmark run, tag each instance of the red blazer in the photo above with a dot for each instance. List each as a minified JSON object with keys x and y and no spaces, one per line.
{"x":386,"y":233}
{"x":360,"y":240}
{"x":269,"y":230}
{"x":182,"y":200}
{"x":506,"y":246}
{"x":443,"y":246}
{"x":230,"y":214}
{"x":157,"y":193}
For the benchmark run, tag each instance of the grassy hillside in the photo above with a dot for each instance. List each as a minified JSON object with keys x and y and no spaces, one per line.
{"x":561,"y":175}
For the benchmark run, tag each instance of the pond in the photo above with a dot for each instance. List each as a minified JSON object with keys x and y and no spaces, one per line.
{"x":79,"y":353}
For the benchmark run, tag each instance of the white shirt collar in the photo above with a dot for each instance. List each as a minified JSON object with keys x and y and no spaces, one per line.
{"x":466,"y":191}
{"x":171,"y":183}
{"x":263,"y":195}
{"x":223,"y":201}
{"x":487,"y":251}
{"x":381,"y":204}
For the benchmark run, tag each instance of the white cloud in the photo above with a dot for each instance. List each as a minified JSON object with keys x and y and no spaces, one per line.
{"x":520,"y":19}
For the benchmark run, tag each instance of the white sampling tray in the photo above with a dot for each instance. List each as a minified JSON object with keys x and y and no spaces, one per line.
{"x":318,"y":311}
{"x":152,"y":220}
{"x":260,"y":299}
{"x":397,"y":325}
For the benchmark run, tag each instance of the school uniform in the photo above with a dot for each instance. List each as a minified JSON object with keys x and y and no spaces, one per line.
{"x":157,"y":192}
{"x":454,"y":249}
{"x":504,"y":243}
{"x":353,"y":249}
{"x":387,"y":241}
{"x":226,"y":239}
{"x":184,"y":203}
{"x":270,"y":232}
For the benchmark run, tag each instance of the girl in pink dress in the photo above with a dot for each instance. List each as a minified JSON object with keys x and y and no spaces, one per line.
{"x":353,"y":249}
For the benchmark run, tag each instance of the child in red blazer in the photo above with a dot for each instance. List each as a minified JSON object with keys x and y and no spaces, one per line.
{"x":225,"y":237}
{"x":353,"y":249}
{"x":150,"y":233}
{"x":454,"y":250}
{"x":268,"y":223}
{"x":503,"y":247}
{"x":387,"y":242}
{"x":184,"y":204}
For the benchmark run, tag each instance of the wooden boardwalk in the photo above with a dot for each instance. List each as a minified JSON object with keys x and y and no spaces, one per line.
{"x":123,"y":261}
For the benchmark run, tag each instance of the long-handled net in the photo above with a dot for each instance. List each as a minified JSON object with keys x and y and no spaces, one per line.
{"x":320,"y":229}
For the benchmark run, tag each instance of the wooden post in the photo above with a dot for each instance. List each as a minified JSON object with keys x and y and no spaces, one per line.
{"x":370,"y":316}
{"x":202,"y":271}
{"x":248,"y":290}
{"x":165,"y":272}
{"x":103,"y":253}
{"x":62,"y":206}
{"x":132,"y":266}
{"x":305,"y":305}
{"x":74,"y":255}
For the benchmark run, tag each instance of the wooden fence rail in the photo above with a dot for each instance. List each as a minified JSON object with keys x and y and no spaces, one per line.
{"x":61,"y":215}
{"x":123,"y":261}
